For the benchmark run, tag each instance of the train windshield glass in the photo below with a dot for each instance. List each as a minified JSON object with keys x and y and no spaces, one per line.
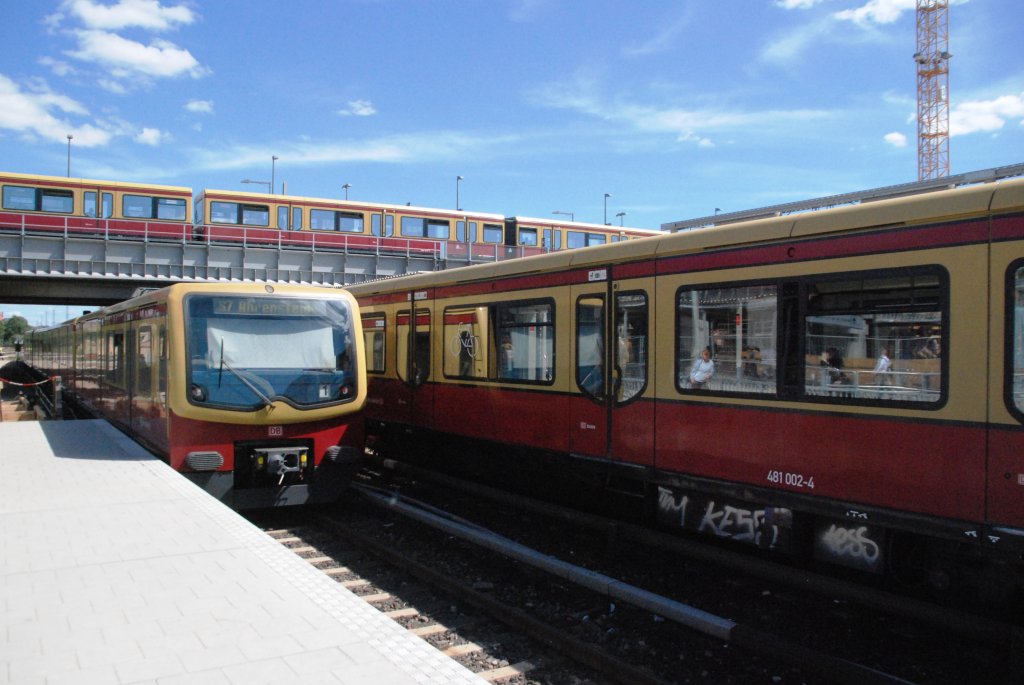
{"x":247,"y":352}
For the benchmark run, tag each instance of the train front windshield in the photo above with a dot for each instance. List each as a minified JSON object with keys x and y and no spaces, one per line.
{"x":246,"y":352}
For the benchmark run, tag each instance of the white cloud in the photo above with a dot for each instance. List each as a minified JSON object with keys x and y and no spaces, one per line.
{"x":358,"y":108}
{"x":796,"y":4}
{"x":151,"y":136}
{"x":58,"y":67}
{"x":687,"y":125}
{"x":663,"y":38}
{"x":896,"y":139}
{"x":985,"y":115}
{"x":31,"y":114}
{"x":883,"y":11}
{"x":112,"y":86}
{"x":429,"y":146}
{"x":200,"y":106}
{"x":787,"y":47}
{"x":124,"y":56}
{"x":146,"y":14}
{"x":878,"y":11}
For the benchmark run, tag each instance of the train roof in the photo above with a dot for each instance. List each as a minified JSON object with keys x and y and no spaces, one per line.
{"x":336,"y":202}
{"x":939,"y":206}
{"x":583,"y":225}
{"x":90,"y":183}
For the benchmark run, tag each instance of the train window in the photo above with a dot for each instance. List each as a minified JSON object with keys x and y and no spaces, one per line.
{"x":1015,"y":349}
{"x":738,"y":324}
{"x":875,"y":337}
{"x":374,"y":337}
{"x":170,"y":209}
{"x":375,"y":224}
{"x":631,"y":344}
{"x":107,"y":205}
{"x":137,"y":207}
{"x":255,"y":215}
{"x":528,"y":237}
{"x":115,"y":358}
{"x":590,"y":346}
{"x":350,"y":222}
{"x":321,"y":220}
{"x":327,"y":220}
{"x":20,"y":198}
{"x":494,"y":233}
{"x":89,"y":203}
{"x":282,"y":218}
{"x":576,"y":239}
{"x":161,"y":373}
{"x":246,"y":352}
{"x":465,"y":342}
{"x":413,"y":343}
{"x":144,"y":361}
{"x":57,"y":201}
{"x":547,"y":239}
{"x":223,"y":212}
{"x":414,"y":226}
{"x":235,"y":213}
{"x":438,"y":229}
{"x":525,"y":335}
{"x":296,"y":218}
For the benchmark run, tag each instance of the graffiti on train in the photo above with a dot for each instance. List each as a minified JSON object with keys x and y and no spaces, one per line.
{"x":767,"y":527}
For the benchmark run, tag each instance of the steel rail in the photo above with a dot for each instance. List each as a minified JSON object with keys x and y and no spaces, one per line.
{"x":773,"y":646}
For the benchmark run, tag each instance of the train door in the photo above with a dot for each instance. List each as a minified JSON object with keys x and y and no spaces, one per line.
{"x":289,"y":217}
{"x":382,"y":225}
{"x":144,"y":384}
{"x":608,"y":418}
{"x":415,"y":401}
{"x":1005,"y":496}
{"x":97,"y":204}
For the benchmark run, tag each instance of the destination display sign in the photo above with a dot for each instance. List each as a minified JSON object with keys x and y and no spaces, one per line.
{"x":256,"y":306}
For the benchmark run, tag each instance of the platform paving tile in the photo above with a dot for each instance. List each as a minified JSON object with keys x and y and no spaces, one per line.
{"x":114,"y":569}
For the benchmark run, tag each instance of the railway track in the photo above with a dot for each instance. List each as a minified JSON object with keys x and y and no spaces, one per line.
{"x":558,"y":632}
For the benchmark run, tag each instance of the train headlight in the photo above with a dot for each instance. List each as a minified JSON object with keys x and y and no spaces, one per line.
{"x":198,"y":392}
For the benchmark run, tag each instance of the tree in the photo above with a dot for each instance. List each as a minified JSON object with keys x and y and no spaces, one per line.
{"x":14,"y":327}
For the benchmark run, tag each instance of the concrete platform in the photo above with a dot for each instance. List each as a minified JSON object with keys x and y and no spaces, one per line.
{"x":114,"y":569}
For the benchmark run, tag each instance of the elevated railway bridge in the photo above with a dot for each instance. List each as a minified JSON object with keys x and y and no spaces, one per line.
{"x":56,"y":260}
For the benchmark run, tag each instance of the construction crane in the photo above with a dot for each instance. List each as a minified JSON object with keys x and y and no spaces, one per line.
{"x":932,"y":59}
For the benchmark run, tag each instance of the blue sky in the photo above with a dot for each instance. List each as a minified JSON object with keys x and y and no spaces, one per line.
{"x":673,"y":107}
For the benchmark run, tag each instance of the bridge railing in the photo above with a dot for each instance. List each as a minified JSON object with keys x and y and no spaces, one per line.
{"x":248,"y":236}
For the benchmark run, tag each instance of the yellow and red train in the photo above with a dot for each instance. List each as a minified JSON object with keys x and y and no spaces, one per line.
{"x":865,"y":404}
{"x":45,"y":204}
{"x":252,"y":391}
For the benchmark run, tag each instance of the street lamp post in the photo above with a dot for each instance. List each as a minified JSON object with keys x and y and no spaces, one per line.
{"x":346,"y":187}
{"x":606,"y":196}
{"x":273,"y":165}
{"x":69,"y":154}
{"x":571,"y":215}
{"x":620,"y":215}
{"x":458,"y":205}
{"x":268,"y":184}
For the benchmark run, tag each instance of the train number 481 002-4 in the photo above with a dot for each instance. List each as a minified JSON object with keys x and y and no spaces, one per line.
{"x":796,"y":480}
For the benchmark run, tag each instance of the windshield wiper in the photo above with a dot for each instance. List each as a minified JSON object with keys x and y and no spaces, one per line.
{"x":267,"y":402}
